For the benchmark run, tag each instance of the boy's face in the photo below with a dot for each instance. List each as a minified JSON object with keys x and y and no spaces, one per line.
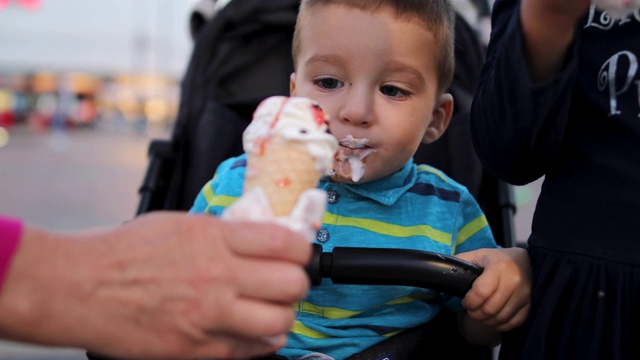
{"x":375,"y":76}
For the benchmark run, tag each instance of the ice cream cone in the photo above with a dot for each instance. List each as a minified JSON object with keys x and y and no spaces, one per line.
{"x":283,"y":169}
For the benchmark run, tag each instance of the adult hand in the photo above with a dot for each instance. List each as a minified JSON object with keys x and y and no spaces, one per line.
{"x":500,"y":297}
{"x":165,"y":285}
{"x":549,"y":27}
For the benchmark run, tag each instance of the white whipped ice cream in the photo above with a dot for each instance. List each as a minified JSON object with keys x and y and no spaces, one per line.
{"x":305,"y":217}
{"x":349,"y":161}
{"x":294,"y":118}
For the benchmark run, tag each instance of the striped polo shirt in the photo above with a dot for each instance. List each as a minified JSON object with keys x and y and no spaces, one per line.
{"x":417,"y":207}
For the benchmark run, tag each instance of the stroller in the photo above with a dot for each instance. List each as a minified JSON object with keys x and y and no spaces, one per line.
{"x":241,"y":56}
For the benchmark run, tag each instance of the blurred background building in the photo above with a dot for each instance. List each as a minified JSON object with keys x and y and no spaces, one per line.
{"x":73,"y":62}
{"x":103,"y":37}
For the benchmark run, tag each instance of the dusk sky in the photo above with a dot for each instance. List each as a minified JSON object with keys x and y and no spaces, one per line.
{"x":100,"y":36}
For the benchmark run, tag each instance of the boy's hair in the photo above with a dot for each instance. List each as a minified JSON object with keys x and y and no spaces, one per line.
{"x":437,"y":15}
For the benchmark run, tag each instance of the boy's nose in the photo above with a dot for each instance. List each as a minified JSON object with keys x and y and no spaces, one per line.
{"x":357,"y":108}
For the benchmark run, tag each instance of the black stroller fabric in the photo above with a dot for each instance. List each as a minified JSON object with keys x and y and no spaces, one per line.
{"x":242,"y":56}
{"x":239,"y":58}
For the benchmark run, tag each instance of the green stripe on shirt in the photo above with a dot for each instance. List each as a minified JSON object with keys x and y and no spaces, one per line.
{"x":385,"y":228}
{"x":471,"y":229}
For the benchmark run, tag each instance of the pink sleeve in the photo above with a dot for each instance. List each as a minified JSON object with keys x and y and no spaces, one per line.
{"x":10,"y":234}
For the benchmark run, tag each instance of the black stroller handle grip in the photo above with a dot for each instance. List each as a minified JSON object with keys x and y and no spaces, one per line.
{"x":379,"y":266}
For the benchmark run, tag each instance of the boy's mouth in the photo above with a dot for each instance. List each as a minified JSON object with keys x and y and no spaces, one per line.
{"x":356,"y":147}
{"x":348,"y":152}
{"x":350,"y":158}
{"x":349,"y":143}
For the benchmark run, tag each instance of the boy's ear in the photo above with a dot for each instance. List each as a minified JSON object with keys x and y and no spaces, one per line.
{"x":440,"y":118}
{"x":292,"y":84}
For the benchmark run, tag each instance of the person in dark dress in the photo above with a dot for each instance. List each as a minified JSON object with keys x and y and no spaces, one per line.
{"x":559,"y":97}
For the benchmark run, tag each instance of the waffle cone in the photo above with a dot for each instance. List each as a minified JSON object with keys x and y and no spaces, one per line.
{"x":284,"y":169}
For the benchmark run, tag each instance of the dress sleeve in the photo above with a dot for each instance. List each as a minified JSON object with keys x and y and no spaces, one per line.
{"x":517,"y":126}
{"x":10,"y":235}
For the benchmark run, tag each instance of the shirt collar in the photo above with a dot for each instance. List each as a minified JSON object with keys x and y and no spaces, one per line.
{"x":388,"y":189}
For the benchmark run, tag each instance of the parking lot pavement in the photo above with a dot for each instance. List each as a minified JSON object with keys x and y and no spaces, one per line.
{"x":74,"y":179}
{"x":16,"y":351}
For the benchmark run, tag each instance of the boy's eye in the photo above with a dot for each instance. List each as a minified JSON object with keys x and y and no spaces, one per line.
{"x":328,"y":83}
{"x":392,"y":91}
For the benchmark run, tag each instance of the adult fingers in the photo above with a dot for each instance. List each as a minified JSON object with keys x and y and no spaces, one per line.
{"x":250,"y":318}
{"x":272,"y":281}
{"x":267,"y":240}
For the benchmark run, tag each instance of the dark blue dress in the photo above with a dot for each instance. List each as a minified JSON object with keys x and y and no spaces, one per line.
{"x":581,"y":130}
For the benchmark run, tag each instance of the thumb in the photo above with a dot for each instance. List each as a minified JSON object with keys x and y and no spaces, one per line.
{"x":476,"y":257}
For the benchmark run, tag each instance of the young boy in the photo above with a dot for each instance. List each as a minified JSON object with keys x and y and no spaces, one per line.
{"x":379,"y":69}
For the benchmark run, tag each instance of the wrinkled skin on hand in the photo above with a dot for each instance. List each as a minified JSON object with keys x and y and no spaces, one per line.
{"x":163,"y":286}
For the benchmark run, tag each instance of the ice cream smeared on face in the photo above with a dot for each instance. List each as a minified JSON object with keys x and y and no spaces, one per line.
{"x":350,"y":158}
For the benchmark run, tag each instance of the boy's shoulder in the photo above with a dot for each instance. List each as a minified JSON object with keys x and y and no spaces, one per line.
{"x":436,"y":176}
{"x":427,"y":174}
{"x":229,"y":176}
{"x":238,"y":163}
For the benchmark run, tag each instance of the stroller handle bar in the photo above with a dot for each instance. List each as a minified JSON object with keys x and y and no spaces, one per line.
{"x":379,"y":266}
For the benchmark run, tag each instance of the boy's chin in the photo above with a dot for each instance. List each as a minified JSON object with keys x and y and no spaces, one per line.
{"x":342,"y":172}
{"x":352,"y":171}
{"x":343,"y":179}
{"x":347,"y":178}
